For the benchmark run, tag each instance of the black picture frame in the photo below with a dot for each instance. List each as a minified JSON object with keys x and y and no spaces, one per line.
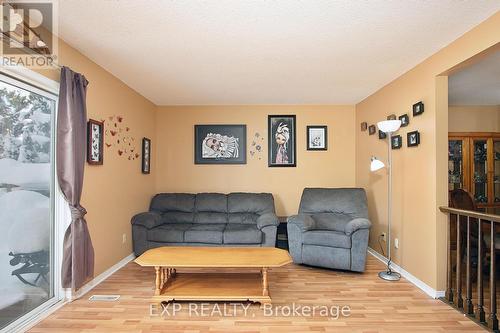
{"x":230,"y":142}
{"x":396,"y":142}
{"x":418,"y":109}
{"x":391,"y":117}
{"x":413,"y":139}
{"x":372,"y":129}
{"x":282,"y":127}
{"x":382,"y":135}
{"x":311,"y":143}
{"x":95,"y":142}
{"x":146,"y":156}
{"x":405,"y":120}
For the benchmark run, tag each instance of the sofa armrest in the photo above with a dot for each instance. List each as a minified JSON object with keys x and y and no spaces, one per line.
{"x":303,"y":221}
{"x":268,"y":219}
{"x":356,"y":224}
{"x":147,"y":219}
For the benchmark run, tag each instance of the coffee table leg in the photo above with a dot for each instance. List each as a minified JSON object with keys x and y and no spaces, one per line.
{"x":157,"y":281}
{"x":265,"y":285}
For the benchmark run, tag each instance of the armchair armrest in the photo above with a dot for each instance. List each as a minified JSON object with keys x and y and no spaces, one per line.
{"x":303,"y":221}
{"x":356,"y":224}
{"x":147,"y":219}
{"x":266,"y":220}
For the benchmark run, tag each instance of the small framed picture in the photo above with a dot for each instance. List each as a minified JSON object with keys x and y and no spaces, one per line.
{"x":282,"y":142}
{"x":364,"y":126}
{"x":381,"y":135}
{"x":146,"y":155}
{"x":372,"y":129}
{"x":413,"y":138}
{"x":405,"y":120}
{"x":317,"y":138}
{"x":418,"y":109}
{"x":95,"y":139}
{"x":391,"y":117}
{"x":397,"y":142}
{"x":220,"y":144}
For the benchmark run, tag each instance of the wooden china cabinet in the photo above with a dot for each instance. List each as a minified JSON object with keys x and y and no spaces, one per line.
{"x":474,"y":165}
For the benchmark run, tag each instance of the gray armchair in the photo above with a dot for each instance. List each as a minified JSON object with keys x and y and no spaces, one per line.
{"x":331,"y":229}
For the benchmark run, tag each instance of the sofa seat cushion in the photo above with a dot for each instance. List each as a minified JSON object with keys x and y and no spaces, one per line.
{"x":327,"y":238}
{"x":205,"y":233}
{"x":248,"y":218}
{"x":242,"y":234}
{"x":168,"y":233}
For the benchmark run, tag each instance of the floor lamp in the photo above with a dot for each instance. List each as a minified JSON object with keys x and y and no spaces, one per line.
{"x":388,"y":127}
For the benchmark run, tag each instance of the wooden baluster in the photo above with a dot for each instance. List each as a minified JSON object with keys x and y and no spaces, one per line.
{"x":460,"y":301}
{"x":469,"y":308}
{"x":493,"y":289}
{"x":265,"y":284}
{"x":157,"y":281}
{"x":449,"y":285}
{"x":480,"y":292}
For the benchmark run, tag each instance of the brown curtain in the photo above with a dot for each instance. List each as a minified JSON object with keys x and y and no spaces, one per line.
{"x":78,"y":255}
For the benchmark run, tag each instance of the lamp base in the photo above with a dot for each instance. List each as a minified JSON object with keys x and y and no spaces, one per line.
{"x":389,"y":275}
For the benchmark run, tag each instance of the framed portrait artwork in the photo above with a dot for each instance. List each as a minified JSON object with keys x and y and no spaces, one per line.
{"x":396,"y":142}
{"x":220,"y":144}
{"x":413,"y":138}
{"x":405,"y":120}
{"x":95,"y":140}
{"x":146,"y":155}
{"x":317,"y":138}
{"x":418,"y":109}
{"x":282,"y":141}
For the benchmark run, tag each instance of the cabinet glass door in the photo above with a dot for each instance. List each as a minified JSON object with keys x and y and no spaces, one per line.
{"x":480,"y":169}
{"x":455,"y":164}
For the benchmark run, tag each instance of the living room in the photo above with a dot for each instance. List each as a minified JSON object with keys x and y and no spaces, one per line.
{"x":206,"y":138}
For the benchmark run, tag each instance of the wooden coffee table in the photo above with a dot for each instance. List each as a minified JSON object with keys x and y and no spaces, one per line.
{"x":171,"y":285}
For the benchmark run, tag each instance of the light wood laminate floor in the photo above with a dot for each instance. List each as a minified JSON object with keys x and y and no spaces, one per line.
{"x":375,"y":306}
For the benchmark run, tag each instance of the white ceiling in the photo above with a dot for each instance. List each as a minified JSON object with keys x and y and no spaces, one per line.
{"x":478,"y":84}
{"x":263,"y":52}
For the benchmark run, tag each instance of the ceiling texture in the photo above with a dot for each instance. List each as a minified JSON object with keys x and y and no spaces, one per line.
{"x":478,"y":84}
{"x":228,"y":52}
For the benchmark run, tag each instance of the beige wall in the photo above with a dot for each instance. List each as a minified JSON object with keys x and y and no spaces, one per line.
{"x":420,"y":173}
{"x":176,"y":171}
{"x":115,"y":191}
{"x":474,"y":118}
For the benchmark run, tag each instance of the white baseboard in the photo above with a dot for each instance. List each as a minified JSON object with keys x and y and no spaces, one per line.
{"x":408,"y":276}
{"x":98,"y":279}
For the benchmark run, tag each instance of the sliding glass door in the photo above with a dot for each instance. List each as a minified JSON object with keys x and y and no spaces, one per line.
{"x":27,"y":229}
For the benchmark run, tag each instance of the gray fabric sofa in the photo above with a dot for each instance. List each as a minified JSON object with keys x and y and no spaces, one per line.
{"x":331,"y":229}
{"x":206,"y":219}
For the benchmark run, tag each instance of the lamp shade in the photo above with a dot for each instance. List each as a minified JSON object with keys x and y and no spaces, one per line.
{"x":376,"y":164}
{"x":389,"y":126}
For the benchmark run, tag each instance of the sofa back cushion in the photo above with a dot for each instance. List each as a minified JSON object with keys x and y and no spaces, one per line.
{"x":247,"y":207}
{"x":210,"y":208}
{"x":173,"y":202}
{"x":346,"y":201}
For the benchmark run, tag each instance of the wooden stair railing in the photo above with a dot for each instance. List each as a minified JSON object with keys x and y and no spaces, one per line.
{"x":455,"y":274}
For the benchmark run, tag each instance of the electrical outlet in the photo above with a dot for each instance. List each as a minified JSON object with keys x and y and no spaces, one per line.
{"x":396,"y":243}
{"x":383,"y":237}
{"x":124,"y":238}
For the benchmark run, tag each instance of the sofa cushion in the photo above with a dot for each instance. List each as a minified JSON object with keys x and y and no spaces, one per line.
{"x":348,"y":201}
{"x":205,"y":233}
{"x":327,"y":238}
{"x":208,"y":217}
{"x":211,"y":202}
{"x":173,"y":202}
{"x":256,"y":203}
{"x":242,"y":234}
{"x":177,"y":217}
{"x":168,"y":233}
{"x":331,"y":221}
{"x":243,"y":218}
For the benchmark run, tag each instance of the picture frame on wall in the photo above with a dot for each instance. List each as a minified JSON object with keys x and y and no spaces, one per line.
{"x":282,"y":141}
{"x":382,"y":135}
{"x":396,"y":142}
{"x":372,"y":129}
{"x":405,"y":120}
{"x":220,"y":144}
{"x":413,"y":138}
{"x":95,"y":142}
{"x":418,"y":109}
{"x":146,"y":156}
{"x":364,"y":126}
{"x":317,"y":137}
{"x":391,"y":117}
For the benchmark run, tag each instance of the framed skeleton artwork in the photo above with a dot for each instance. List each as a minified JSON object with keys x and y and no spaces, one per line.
{"x":220,"y":144}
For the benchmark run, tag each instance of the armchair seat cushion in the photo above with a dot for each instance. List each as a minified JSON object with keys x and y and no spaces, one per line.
{"x":327,"y":238}
{"x":172,"y":232}
{"x":242,"y":234}
{"x":210,"y":233}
